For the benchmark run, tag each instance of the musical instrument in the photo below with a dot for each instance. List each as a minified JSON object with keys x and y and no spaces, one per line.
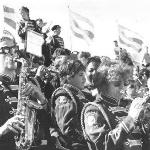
{"x":26,"y":108}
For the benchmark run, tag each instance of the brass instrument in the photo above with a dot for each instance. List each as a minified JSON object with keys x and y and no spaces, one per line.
{"x":47,"y":73}
{"x":26,"y":108}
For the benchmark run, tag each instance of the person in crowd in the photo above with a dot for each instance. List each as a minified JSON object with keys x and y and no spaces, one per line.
{"x":66,"y":106}
{"x":26,"y":23}
{"x":9,"y":125}
{"x":125,"y":58}
{"x":55,"y":40}
{"x":40,"y":24}
{"x":83,"y":57}
{"x":9,"y":94}
{"x":61,"y":51}
{"x":146,"y":58}
{"x":117,"y":49}
{"x":105,"y":124}
{"x":91,"y":72}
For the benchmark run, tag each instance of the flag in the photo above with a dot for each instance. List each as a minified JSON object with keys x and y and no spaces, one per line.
{"x":130,"y":39}
{"x":9,"y":17}
{"x":10,"y":23}
{"x":132,"y":42}
{"x":81,"y":27}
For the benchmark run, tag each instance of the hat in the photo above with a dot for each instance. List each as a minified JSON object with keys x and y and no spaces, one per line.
{"x":55,"y":27}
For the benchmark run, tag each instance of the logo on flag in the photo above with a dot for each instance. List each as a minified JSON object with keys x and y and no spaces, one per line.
{"x":81,"y":27}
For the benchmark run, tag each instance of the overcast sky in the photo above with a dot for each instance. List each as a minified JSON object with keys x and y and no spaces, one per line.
{"x":105,"y":14}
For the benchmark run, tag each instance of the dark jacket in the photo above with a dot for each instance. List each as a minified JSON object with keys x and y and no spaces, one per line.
{"x":7,"y":89}
{"x":107,"y":126}
{"x":67,"y":103}
{"x":22,"y":32}
{"x":56,"y":42}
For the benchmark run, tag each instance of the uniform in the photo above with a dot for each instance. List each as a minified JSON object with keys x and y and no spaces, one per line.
{"x":8,"y":105}
{"x":21,"y":28}
{"x":56,"y":42}
{"x":67,"y":103}
{"x":8,"y":94}
{"x":106,"y":126}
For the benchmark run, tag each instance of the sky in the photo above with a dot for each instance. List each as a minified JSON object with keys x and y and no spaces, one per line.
{"x":105,"y":15}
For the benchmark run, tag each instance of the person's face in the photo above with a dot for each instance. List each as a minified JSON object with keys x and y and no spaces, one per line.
{"x":131,"y":90}
{"x":8,"y":57}
{"x":9,"y":62}
{"x":91,"y":71}
{"x":78,"y":80}
{"x":57,"y":31}
{"x":115,"y":89}
{"x":24,"y":15}
{"x":40,"y":23}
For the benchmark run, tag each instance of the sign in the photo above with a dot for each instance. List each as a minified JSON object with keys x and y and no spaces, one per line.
{"x":34,"y":43}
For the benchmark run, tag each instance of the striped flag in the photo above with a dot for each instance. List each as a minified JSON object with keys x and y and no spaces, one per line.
{"x":81,"y":27}
{"x":130,"y":39}
{"x":10,"y":22}
{"x":9,"y":17}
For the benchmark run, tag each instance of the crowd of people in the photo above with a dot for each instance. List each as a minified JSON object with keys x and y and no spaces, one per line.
{"x":80,"y":102}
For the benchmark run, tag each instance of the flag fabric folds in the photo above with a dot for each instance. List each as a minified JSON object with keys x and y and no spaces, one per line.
{"x":10,"y":22}
{"x":130,"y":38}
{"x":81,"y":26}
{"x":9,"y":16}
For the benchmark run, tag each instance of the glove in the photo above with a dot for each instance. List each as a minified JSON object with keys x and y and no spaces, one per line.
{"x":135,"y":108}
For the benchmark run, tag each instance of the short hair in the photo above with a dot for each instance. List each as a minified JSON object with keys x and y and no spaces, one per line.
{"x":23,"y":8}
{"x":61,"y":51}
{"x":55,"y":27}
{"x":94,"y":59}
{"x":115,"y":72}
{"x":71,"y":68}
{"x":84,"y":54}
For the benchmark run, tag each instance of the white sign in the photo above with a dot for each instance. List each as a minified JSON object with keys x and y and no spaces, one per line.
{"x":34,"y":43}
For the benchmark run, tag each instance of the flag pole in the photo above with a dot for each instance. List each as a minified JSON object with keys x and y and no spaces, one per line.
{"x":68,"y":7}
